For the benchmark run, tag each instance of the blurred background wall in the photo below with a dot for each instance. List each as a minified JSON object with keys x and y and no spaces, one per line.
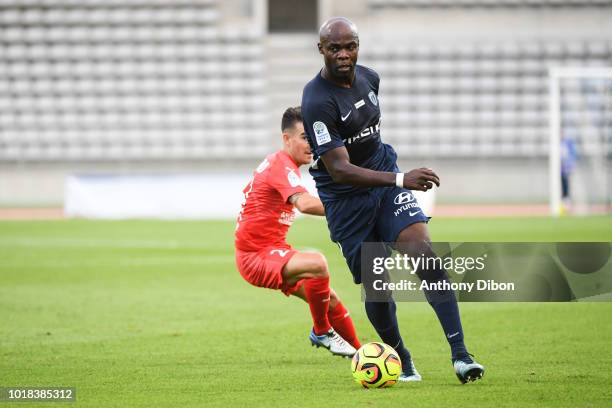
{"x":198,"y":86}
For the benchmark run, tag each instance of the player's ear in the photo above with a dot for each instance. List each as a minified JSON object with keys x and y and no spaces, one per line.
{"x":286,"y":137}
{"x":320,"y":47}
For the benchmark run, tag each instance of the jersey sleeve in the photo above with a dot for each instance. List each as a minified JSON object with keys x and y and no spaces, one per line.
{"x":285,"y":179}
{"x":320,"y":124}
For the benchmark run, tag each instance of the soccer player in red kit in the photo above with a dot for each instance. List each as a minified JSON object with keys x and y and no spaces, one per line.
{"x":263,"y":256}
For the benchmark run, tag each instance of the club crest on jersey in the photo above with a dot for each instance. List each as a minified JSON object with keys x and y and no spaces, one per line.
{"x":321,"y":133}
{"x":373,"y":98}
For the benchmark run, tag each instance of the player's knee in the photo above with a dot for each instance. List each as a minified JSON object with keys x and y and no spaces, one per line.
{"x":415,"y":247}
{"x":414,"y":240}
{"x":320,"y":267}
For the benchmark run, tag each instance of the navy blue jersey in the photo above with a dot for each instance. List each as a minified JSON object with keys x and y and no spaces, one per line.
{"x":335,"y":116}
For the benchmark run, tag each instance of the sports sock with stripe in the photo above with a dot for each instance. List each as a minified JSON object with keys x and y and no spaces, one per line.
{"x":444,"y":303}
{"x":342,"y":323}
{"x":317,"y":296}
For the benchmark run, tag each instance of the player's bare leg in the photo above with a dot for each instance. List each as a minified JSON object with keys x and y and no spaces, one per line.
{"x":312,"y":268}
{"x":414,"y":241}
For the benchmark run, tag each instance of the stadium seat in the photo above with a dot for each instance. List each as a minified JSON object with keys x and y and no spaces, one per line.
{"x":157,"y":79}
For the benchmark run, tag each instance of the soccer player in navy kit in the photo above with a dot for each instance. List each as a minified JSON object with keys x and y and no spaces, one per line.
{"x":366,"y":197}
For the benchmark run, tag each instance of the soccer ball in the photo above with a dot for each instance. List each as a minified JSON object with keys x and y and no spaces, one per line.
{"x":376,"y":365}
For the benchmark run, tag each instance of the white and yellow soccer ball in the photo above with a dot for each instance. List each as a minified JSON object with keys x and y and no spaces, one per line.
{"x":376,"y":365}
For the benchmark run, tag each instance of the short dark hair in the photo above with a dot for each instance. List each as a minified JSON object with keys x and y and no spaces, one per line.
{"x":290,"y":117}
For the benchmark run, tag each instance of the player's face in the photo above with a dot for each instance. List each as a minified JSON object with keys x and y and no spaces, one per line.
{"x":298,"y":146}
{"x":340,"y":51}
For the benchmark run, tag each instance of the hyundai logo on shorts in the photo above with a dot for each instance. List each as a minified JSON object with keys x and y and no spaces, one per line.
{"x":403,"y":198}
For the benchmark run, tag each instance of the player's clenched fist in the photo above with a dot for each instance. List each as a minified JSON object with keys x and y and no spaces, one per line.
{"x":421,"y":179}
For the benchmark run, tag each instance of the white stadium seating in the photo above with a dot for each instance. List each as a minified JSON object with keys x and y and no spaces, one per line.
{"x":484,"y":94}
{"x":395,"y":4}
{"x":136,"y":79}
{"x":157,"y":79}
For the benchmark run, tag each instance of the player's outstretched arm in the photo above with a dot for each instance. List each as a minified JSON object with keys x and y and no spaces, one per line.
{"x":342,"y":171}
{"x":307,"y":204}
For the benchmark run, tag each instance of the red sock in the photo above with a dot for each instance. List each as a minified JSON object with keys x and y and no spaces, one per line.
{"x":343,"y":324}
{"x":317,"y":295}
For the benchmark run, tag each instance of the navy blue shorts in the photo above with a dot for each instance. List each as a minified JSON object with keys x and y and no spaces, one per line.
{"x":376,"y":216}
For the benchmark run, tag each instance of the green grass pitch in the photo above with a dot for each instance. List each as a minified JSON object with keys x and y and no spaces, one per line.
{"x":153,"y":313}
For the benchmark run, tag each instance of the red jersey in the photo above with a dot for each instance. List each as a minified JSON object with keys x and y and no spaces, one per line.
{"x":266,"y":215}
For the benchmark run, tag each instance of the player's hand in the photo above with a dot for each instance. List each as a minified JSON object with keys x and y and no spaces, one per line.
{"x":421,"y":179}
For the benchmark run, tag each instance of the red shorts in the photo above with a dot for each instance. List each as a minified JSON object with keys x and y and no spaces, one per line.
{"x":264,"y":268}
